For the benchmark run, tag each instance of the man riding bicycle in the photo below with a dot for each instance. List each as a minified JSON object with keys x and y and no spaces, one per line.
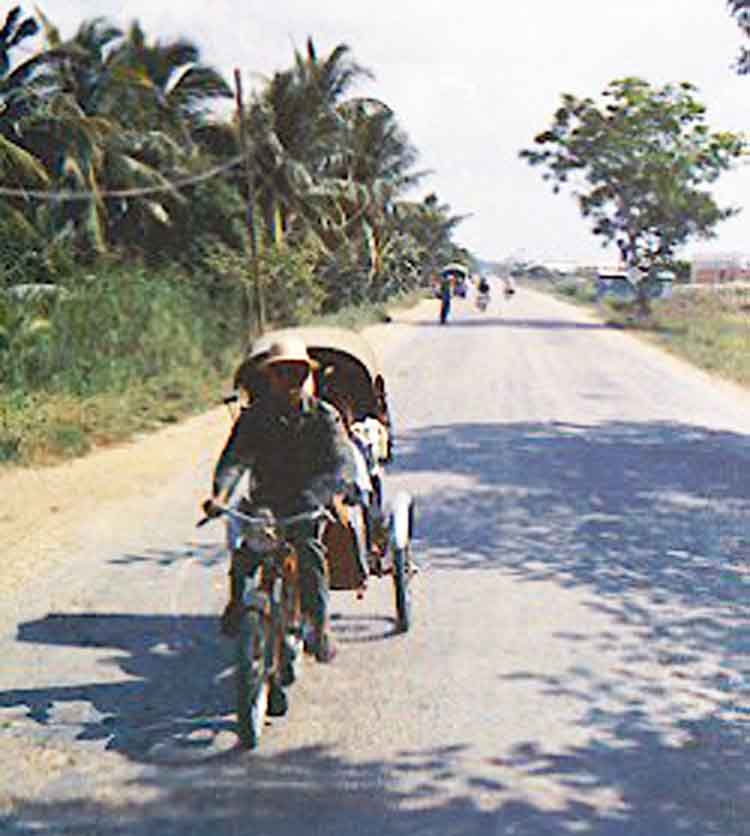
{"x":298,"y":458}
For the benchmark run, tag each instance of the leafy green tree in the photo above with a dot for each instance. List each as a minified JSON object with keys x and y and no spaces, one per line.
{"x":637,"y":163}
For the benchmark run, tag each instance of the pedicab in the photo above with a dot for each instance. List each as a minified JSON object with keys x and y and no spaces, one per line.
{"x":459,"y":275}
{"x":374,"y":539}
{"x":364,"y":538}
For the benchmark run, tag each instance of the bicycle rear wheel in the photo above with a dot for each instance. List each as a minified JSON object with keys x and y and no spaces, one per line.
{"x":401,"y":583}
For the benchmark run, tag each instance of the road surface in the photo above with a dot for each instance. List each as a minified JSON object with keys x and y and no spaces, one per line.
{"x":578,"y":660}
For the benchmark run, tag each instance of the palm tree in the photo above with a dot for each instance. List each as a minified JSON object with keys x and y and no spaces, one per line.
{"x":294,"y":129}
{"x":14,"y":31}
{"x":378,"y":156}
{"x":19,"y":97}
{"x":430,"y":225}
{"x":71,"y":130}
{"x":117,"y":118}
{"x":165,"y":83}
{"x":305,"y":99}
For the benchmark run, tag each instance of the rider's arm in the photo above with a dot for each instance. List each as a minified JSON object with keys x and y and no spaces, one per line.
{"x":337,"y":466}
{"x":233,"y":461}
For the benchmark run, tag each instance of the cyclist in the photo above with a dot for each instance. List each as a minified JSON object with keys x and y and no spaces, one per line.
{"x":298,"y":457}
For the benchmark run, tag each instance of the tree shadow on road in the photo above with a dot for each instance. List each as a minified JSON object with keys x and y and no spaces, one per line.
{"x":649,"y":517}
{"x":509,"y":322}
{"x":203,"y":553}
{"x":638,"y":784}
{"x":658,"y":507}
{"x":650,"y":520}
{"x":145,"y":714}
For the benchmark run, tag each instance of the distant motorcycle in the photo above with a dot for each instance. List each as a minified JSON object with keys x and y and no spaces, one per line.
{"x":483,"y":294}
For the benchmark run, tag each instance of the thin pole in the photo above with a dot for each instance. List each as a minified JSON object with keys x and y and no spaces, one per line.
{"x":260,"y":312}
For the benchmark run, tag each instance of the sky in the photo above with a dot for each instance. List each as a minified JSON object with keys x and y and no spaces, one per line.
{"x":472,"y":82}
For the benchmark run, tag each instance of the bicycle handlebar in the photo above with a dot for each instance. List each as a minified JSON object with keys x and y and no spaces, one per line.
{"x":282,"y":522}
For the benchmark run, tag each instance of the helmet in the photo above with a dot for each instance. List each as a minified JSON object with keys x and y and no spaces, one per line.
{"x":287,"y":349}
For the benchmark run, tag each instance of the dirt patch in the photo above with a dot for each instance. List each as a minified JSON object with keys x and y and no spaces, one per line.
{"x":42,"y":506}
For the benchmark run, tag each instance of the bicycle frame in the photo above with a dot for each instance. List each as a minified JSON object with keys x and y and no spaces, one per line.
{"x":269,"y":643}
{"x":267,"y":574}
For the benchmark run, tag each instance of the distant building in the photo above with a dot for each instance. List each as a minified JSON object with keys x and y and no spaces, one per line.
{"x":720,"y":268}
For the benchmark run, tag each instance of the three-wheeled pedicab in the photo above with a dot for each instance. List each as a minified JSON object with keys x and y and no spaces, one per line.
{"x":376,"y":541}
{"x":366,"y":537}
{"x":459,"y":275}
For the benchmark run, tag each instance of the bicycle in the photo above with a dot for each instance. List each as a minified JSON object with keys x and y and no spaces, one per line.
{"x":270,"y":630}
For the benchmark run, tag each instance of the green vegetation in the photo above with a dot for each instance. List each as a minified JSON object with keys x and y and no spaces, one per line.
{"x":110,"y":354}
{"x":144,"y":239}
{"x":118,"y":354}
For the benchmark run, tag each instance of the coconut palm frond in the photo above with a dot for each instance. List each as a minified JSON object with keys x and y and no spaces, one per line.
{"x":23,"y":165}
{"x":94,"y":227}
{"x":142,"y":175}
{"x":72,"y":172}
{"x":193,"y":86}
{"x":49,"y":30}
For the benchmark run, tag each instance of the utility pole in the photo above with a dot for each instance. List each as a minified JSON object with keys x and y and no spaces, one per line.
{"x":260,"y":312}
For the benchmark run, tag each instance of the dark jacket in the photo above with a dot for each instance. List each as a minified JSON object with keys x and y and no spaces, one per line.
{"x":296,"y":460}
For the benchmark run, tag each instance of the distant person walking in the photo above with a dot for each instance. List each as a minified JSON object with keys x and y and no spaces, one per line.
{"x":446,"y":291}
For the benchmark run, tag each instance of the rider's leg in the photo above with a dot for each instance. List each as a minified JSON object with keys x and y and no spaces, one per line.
{"x":242,"y":564}
{"x":230,"y":618}
{"x":314,"y":591}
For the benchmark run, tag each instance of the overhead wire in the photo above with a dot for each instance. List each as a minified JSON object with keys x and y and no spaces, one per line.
{"x":142,"y":191}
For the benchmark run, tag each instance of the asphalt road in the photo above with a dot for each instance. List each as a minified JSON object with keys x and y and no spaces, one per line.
{"x":578,"y":660}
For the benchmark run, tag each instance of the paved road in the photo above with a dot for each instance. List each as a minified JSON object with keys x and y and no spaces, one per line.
{"x":579,"y":657}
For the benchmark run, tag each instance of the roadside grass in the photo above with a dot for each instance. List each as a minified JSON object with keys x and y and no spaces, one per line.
{"x":120,"y":354}
{"x":575,"y":289}
{"x":42,"y":428}
{"x":708,"y":327}
{"x":113,"y":354}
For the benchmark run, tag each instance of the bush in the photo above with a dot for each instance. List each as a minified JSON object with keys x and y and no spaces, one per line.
{"x":292,"y":292}
{"x":110,"y":329}
{"x":26,"y":257}
{"x":579,"y":289}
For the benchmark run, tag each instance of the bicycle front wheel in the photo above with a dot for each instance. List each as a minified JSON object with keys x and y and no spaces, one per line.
{"x":252,"y":678}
